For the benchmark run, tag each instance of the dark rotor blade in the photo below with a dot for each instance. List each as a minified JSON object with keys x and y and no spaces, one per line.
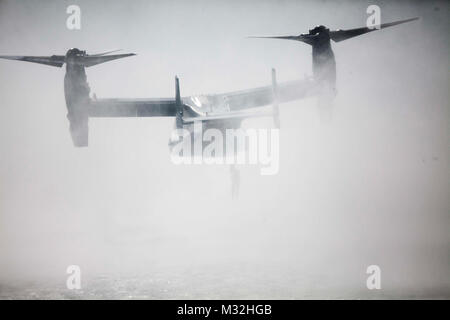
{"x":89,"y":61}
{"x":276,"y":37}
{"x":306,"y":38}
{"x":54,"y":61}
{"x":341,"y":35}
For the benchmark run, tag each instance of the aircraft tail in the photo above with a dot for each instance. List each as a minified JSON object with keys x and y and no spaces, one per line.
{"x":178,"y":105}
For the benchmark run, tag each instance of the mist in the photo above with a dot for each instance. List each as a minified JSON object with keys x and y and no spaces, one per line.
{"x":369,"y":187}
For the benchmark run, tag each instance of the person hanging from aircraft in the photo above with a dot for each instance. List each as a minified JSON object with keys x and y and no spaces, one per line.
{"x":235,"y":181}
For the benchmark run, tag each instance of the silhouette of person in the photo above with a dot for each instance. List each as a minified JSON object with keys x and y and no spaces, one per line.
{"x":235,"y":181}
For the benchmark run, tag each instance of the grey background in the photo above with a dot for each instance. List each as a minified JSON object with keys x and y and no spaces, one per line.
{"x":371,"y":187}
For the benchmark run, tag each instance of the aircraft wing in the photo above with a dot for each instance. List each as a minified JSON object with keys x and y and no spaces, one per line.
{"x":204,"y":107}
{"x":100,"y":108}
{"x":253,"y":98}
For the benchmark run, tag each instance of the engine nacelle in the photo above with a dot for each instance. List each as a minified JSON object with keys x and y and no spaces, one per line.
{"x":76,"y":90}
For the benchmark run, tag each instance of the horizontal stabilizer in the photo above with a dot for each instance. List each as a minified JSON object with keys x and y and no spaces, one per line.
{"x":229,"y":115}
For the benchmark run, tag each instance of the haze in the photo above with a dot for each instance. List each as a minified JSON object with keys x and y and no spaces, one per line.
{"x":371,"y":187}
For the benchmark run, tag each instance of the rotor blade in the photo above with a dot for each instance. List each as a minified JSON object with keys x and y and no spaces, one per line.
{"x":54,"y":61}
{"x":89,"y":61}
{"x":276,"y":37}
{"x":306,"y":38}
{"x":340,"y":35}
{"x":103,"y":53}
